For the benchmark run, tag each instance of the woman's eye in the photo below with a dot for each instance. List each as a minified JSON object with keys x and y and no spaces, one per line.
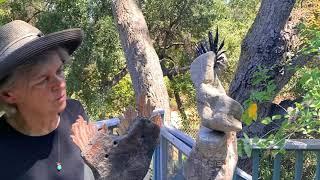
{"x":43,"y":80}
{"x":60,"y":71}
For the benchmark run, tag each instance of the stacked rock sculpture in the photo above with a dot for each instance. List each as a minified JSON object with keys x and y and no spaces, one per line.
{"x":214,"y":155}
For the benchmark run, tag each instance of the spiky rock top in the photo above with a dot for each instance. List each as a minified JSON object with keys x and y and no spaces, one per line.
{"x":220,"y":61}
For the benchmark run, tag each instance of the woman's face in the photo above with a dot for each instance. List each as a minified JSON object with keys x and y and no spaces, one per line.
{"x":43,"y":89}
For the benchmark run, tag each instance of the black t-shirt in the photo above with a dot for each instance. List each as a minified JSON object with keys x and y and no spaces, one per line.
{"x":35,"y":158}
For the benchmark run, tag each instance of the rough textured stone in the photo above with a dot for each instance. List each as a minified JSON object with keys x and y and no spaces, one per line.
{"x":217,"y":110}
{"x":214,"y":155}
{"x":123,"y":157}
{"x":214,"y":158}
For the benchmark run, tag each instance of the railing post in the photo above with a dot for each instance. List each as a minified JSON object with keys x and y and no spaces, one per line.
{"x":256,"y":163}
{"x":179,"y":158}
{"x":157,"y":156}
{"x":156,"y":164}
{"x":318,"y":165}
{"x":163,"y":157}
{"x":235,"y":176}
{"x":276,"y":167}
{"x":298,"y":165}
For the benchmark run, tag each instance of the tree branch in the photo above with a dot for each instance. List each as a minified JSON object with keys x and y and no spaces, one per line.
{"x":298,"y":61}
{"x":176,"y":71}
{"x":123,"y":72}
{"x":33,"y":15}
{"x":116,"y":79}
{"x":173,"y":44}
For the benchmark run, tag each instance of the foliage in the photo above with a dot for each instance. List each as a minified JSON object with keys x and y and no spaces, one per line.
{"x":183,"y":84}
{"x":309,"y":28}
{"x":311,"y":38}
{"x":97,"y":63}
{"x":176,"y":27}
{"x":262,"y":78}
{"x":300,"y":121}
{"x":287,"y":168}
{"x":98,"y":60}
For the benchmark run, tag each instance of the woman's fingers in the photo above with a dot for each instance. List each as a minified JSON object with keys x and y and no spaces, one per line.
{"x":82,"y":133}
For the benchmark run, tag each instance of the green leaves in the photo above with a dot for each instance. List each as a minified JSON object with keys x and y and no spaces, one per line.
{"x":245,"y":146}
{"x":250,"y":114}
{"x":302,"y":121}
{"x":266,"y":121}
{"x":310,"y":37}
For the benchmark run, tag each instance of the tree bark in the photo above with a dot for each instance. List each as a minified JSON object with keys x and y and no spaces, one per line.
{"x":268,"y":44}
{"x":142,"y":60}
{"x":262,"y":46}
{"x":178,"y":101}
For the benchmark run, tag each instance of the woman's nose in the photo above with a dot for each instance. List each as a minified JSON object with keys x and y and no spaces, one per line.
{"x":58,"y":82}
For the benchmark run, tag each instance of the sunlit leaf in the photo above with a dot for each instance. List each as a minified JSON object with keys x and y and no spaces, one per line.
{"x":275,"y":117}
{"x":266,"y":120}
{"x":247,"y":149}
{"x":252,"y":111}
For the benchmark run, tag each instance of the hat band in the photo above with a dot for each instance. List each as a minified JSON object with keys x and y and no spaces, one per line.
{"x":34,"y":35}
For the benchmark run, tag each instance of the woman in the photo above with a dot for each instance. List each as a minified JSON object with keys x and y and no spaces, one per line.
{"x":35,"y":138}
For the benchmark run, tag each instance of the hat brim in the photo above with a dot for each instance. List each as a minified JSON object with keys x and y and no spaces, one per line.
{"x":69,"y":39}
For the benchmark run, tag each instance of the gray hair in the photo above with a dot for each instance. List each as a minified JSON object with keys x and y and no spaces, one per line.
{"x":9,"y":81}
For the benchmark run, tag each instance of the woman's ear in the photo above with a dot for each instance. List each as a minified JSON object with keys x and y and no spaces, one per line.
{"x":8,"y":97}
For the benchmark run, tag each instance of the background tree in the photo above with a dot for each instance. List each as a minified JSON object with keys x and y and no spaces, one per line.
{"x":176,"y":28}
{"x":142,"y":59}
{"x":95,"y":76}
{"x":271,"y":47}
{"x":99,"y":76}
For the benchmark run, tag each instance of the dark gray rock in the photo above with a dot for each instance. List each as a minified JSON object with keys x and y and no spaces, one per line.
{"x":124,"y":157}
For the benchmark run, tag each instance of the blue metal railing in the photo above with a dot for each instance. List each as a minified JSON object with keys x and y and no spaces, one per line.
{"x":184,"y":143}
{"x":168,"y":135}
{"x":299,"y":146}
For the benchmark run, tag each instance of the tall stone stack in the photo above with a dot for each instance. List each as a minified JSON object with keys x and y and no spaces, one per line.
{"x":214,"y":155}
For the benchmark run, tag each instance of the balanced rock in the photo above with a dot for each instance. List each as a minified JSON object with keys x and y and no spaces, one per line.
{"x":126,"y":156}
{"x":217,"y":110}
{"x":214,"y":155}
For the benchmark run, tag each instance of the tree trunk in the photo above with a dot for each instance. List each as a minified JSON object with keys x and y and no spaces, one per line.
{"x":142,"y":60}
{"x":267,"y":45}
{"x":262,"y":46}
{"x":179,"y":105}
{"x":178,"y":101}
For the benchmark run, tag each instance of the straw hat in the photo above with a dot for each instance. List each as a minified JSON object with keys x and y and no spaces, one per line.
{"x":19,"y":41}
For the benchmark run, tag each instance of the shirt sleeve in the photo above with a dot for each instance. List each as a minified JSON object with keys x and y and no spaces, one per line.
{"x":82,"y":112}
{"x":88,"y":174}
{"x":75,"y":108}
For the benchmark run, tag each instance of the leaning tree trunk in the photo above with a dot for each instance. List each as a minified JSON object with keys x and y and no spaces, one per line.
{"x":142,"y":60}
{"x":267,"y":45}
